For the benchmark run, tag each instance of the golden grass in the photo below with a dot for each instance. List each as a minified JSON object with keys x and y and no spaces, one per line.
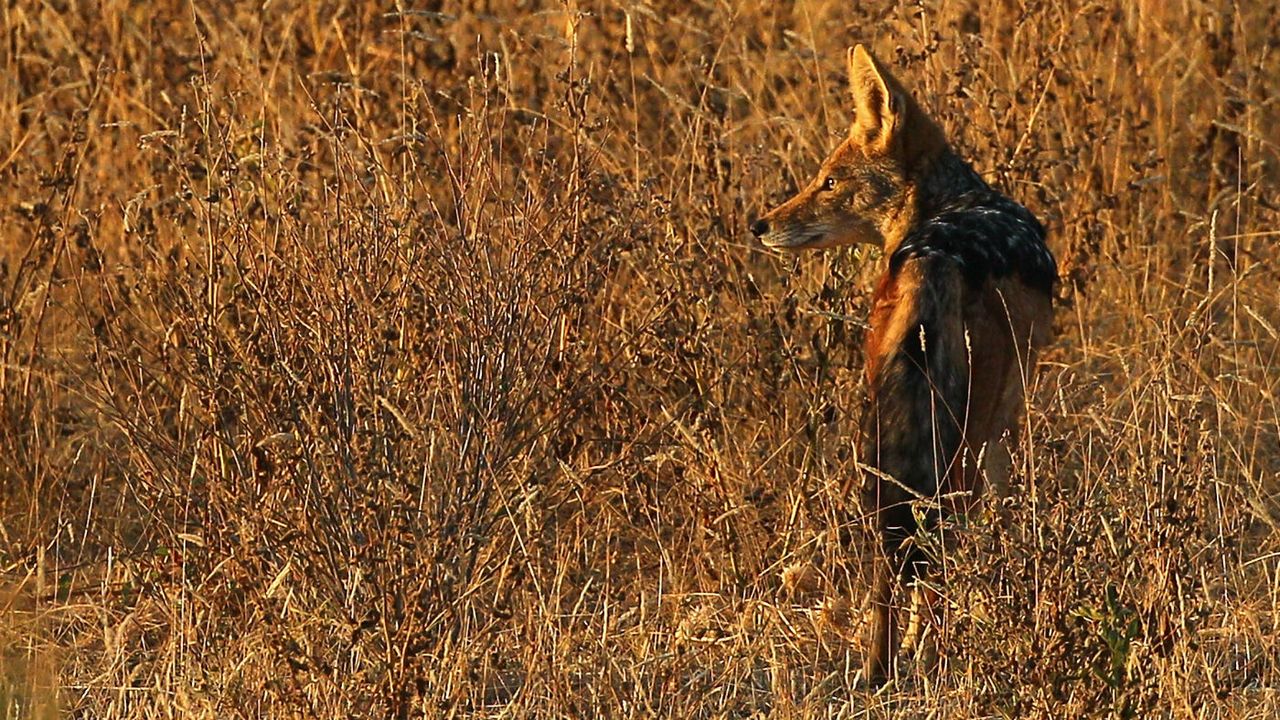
{"x":362,"y":361}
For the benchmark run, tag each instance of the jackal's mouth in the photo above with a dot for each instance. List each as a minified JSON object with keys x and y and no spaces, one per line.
{"x":792,"y":241}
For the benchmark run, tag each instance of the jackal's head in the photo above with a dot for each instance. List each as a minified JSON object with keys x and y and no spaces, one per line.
{"x":865,"y":191}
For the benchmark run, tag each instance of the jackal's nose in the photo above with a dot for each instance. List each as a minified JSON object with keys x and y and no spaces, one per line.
{"x":760,"y":228}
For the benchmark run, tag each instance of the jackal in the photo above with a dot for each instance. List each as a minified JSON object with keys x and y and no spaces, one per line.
{"x":962,"y":306}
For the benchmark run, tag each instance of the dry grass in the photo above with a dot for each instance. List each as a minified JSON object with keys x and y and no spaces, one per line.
{"x":371,"y":362}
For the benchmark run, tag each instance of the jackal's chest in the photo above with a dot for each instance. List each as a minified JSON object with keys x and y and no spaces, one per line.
{"x":889,"y":322}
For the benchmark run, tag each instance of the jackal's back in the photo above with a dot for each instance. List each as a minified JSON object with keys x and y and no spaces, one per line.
{"x":987,"y":236}
{"x":959,"y":314}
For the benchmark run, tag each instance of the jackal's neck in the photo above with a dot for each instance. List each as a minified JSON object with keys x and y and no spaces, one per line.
{"x":939,"y":182}
{"x":946,"y":179}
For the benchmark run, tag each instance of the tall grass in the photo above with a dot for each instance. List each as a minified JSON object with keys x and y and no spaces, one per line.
{"x":413,"y":360}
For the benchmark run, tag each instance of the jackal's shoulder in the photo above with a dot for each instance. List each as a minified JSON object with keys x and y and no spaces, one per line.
{"x":986,"y":236}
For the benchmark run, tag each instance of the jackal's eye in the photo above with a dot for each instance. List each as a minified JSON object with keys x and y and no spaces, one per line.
{"x":829,"y":184}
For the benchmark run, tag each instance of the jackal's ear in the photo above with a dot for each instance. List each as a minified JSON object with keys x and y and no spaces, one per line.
{"x":877,"y":101}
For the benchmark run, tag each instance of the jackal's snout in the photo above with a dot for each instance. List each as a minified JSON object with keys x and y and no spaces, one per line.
{"x":788,"y":226}
{"x":814,"y":218}
{"x":778,"y":236}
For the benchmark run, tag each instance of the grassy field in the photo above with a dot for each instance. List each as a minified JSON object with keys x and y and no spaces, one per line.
{"x":414,"y":360}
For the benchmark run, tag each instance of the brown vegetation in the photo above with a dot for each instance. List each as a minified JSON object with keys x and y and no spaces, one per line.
{"x":364,"y":361}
